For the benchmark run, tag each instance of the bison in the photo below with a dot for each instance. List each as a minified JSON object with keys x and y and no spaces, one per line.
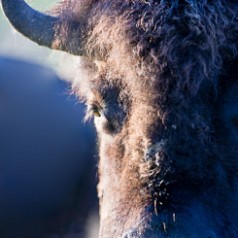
{"x":46,"y":156}
{"x":161,"y":83}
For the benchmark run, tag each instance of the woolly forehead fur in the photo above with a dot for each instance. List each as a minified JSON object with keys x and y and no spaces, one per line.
{"x":187,"y":40}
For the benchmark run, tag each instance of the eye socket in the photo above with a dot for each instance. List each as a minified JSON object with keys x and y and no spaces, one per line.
{"x":97,"y":114}
{"x":109,"y":110}
{"x":97,"y":111}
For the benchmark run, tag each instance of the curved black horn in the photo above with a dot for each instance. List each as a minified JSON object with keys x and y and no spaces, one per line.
{"x":36,"y":26}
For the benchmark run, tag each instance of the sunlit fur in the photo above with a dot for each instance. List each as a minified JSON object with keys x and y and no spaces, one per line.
{"x":170,"y":61}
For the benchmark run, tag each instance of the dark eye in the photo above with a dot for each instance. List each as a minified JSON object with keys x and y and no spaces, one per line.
{"x":96,"y":110}
{"x":109,"y":110}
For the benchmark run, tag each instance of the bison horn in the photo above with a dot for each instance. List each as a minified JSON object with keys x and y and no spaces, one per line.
{"x":36,"y":26}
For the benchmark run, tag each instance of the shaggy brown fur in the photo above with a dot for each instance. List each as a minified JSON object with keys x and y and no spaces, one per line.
{"x":159,"y":75}
{"x":165,"y":62}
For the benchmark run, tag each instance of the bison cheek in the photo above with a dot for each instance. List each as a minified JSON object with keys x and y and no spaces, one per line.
{"x":118,"y":189}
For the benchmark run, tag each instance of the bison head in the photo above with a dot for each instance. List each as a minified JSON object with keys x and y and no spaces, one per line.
{"x":158,"y":80}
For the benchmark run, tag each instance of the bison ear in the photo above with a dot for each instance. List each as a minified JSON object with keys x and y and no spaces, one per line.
{"x":38,"y":27}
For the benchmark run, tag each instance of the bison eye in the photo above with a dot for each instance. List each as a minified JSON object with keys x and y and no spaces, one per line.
{"x":109,"y":110}
{"x":97,"y":111}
